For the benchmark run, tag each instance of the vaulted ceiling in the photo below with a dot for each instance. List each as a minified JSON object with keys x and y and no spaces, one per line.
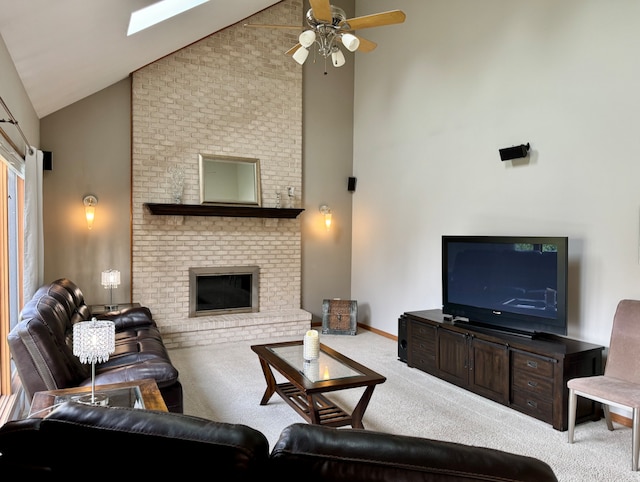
{"x":65,"y":50}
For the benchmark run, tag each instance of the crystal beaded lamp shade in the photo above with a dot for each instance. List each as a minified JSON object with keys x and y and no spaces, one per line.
{"x":93,"y":341}
{"x":110,"y":278}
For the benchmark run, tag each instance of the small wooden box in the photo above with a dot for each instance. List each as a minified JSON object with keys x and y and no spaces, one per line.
{"x":339,"y":317}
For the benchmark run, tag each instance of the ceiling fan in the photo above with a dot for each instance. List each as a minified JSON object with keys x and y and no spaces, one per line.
{"x":328,"y":27}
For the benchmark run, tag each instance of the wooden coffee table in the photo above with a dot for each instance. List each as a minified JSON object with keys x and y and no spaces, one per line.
{"x":146,"y":390}
{"x":307,"y":381}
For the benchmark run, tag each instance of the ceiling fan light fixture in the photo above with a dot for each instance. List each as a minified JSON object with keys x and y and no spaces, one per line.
{"x":350,"y":41}
{"x":300,"y":55}
{"x":307,"y":38}
{"x":337,"y":58}
{"x":330,"y":28}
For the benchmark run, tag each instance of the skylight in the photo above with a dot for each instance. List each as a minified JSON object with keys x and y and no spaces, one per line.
{"x":159,"y":12}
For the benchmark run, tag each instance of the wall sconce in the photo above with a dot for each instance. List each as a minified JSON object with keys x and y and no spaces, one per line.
{"x":326,"y":211}
{"x":90,"y":202}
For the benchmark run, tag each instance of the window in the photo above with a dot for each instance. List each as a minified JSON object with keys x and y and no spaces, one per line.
{"x":11,"y":273}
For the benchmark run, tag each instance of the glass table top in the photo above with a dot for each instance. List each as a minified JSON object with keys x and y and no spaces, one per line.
{"x":130,"y":397}
{"x":324,"y":368}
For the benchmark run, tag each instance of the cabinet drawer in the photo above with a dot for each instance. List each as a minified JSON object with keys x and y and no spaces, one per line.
{"x":529,"y":382}
{"x":526,"y":363}
{"x":419,"y":343}
{"x":424,"y":361}
{"x":423,"y":331}
{"x":531,"y":405}
{"x":422,"y":347}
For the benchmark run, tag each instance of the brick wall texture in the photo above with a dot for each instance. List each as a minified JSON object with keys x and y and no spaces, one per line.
{"x":234,"y":93}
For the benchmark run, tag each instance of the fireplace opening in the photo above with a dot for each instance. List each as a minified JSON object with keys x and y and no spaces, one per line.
{"x":216,"y":291}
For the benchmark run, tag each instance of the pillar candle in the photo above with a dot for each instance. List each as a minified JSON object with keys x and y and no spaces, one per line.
{"x":311,"y":345}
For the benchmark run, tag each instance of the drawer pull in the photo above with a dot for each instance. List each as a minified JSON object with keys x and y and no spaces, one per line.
{"x":532,"y":364}
{"x":532,"y":384}
{"x":532,"y":404}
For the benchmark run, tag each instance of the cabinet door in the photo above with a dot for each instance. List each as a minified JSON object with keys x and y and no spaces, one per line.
{"x":489,"y":370}
{"x":453,"y":357}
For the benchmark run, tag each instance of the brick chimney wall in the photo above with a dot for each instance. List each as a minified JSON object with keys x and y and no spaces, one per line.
{"x":233,"y":93}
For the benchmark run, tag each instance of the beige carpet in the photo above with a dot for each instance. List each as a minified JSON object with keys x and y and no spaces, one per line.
{"x":225,"y":383}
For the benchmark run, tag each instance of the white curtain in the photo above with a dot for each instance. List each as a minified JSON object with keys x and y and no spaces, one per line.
{"x":33,"y":236}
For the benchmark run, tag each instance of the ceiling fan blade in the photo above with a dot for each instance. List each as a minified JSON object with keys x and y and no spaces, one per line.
{"x":289,"y":27}
{"x":366,"y":45}
{"x":321,"y":10}
{"x":377,"y":19}
{"x":293,"y":49}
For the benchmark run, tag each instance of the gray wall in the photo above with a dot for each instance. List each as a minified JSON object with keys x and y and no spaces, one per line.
{"x":460,"y":80}
{"x":90,"y":144}
{"x":327,"y":164}
{"x":14,"y":95}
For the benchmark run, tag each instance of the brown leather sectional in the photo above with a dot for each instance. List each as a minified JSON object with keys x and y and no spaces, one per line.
{"x":41,"y":346}
{"x":103,"y":437}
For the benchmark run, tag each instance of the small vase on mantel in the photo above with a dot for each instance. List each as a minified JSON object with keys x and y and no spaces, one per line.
{"x":176,"y":173}
{"x":291,"y":195}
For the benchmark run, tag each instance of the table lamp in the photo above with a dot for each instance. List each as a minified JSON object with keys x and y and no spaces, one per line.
{"x":110,"y":280}
{"x":94,"y":341}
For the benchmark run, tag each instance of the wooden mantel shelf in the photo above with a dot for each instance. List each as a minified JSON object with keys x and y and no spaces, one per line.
{"x":214,"y":210}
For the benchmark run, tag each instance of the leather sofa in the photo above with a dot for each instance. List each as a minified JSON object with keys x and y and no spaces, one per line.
{"x":98,"y":440}
{"x":41,"y":346}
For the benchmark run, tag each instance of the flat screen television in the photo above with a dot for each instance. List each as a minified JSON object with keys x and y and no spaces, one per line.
{"x":516,"y":284}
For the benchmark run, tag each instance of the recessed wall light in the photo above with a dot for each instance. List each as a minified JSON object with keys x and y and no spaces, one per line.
{"x":159,"y":12}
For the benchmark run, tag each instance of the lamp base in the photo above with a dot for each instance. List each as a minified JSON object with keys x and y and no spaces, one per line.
{"x":111,"y":307}
{"x":98,"y":400}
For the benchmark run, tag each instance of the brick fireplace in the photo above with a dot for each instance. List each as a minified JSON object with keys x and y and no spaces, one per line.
{"x":224,"y":95}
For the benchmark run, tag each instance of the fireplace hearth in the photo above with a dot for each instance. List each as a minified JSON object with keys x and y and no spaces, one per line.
{"x":223,"y":290}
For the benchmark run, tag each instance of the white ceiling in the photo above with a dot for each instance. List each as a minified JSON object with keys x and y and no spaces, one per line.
{"x":65,"y":50}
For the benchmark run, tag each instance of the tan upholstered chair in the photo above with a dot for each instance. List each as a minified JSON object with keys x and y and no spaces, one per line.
{"x":620,"y":384}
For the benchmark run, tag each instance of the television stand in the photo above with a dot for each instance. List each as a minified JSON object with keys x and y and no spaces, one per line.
{"x":527,"y":374}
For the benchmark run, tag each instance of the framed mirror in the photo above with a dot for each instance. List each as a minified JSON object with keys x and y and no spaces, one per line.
{"x":227,"y":180}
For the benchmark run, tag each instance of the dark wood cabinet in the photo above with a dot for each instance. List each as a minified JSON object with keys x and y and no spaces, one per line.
{"x":527,"y":374}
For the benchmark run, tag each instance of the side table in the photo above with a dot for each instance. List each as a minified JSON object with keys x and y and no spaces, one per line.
{"x":102,"y":309}
{"x":145,"y":390}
